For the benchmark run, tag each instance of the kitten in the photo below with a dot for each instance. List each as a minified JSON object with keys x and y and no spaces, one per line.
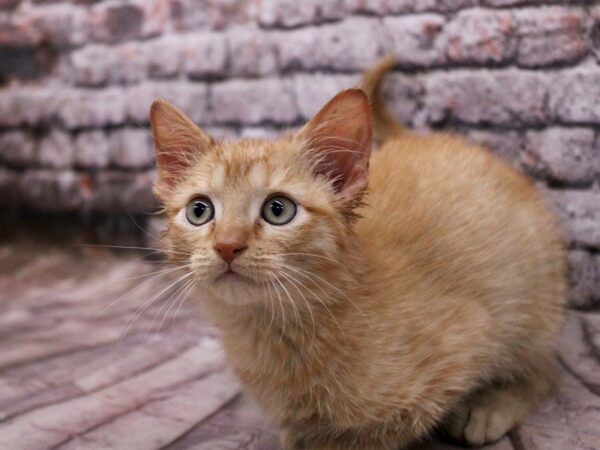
{"x":367,"y":299}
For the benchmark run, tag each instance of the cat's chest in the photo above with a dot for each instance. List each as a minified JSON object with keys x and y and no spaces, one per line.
{"x":288,"y":378}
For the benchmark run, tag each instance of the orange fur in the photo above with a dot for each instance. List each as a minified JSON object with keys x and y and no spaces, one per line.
{"x":367,"y":322}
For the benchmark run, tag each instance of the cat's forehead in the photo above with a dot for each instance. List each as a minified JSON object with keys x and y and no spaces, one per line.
{"x":244,"y":166}
{"x":249,"y":164}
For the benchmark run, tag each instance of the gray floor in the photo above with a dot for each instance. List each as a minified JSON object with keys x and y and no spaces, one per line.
{"x":83,"y":366}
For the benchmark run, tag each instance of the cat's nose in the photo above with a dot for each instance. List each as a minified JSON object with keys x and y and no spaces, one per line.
{"x":229,"y":249}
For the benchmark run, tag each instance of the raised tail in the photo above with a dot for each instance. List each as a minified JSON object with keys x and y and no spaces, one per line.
{"x":384,"y":125}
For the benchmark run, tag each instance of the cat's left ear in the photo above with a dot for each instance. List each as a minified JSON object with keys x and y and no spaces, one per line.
{"x":177,"y":141}
{"x":339,"y":138}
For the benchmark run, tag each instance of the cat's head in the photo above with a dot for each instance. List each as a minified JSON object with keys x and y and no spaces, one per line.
{"x":256,"y":216}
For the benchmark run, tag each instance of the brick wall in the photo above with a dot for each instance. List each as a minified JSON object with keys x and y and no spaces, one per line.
{"x":521,"y":76}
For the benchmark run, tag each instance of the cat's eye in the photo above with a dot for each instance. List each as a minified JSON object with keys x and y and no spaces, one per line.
{"x":199,"y":211}
{"x":278,"y":210}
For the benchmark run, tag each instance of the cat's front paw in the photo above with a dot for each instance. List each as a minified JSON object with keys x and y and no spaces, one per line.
{"x":487,"y":417}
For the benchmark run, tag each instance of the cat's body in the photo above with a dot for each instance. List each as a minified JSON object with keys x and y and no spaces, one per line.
{"x":436,"y":302}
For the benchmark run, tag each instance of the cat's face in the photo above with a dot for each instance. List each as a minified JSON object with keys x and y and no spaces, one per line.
{"x":254,"y":218}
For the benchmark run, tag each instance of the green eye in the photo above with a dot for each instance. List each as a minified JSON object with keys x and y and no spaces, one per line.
{"x":199,"y":211}
{"x":278,"y":210}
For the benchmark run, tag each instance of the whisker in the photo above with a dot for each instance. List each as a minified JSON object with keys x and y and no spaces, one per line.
{"x":271,"y":301}
{"x":151,"y":301}
{"x":294,"y":282}
{"x":126,"y":247}
{"x":130,"y":291}
{"x":184,"y":298}
{"x":335,"y":288}
{"x":183,"y":290}
{"x":281,"y":306}
{"x":318,"y":298}
{"x":159,"y":272}
{"x":175,"y":294}
{"x":294,"y":307}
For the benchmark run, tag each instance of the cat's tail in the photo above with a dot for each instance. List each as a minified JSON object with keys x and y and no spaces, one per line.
{"x":385,"y":126}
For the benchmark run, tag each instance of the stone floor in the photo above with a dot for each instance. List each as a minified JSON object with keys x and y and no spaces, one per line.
{"x":89,"y":361}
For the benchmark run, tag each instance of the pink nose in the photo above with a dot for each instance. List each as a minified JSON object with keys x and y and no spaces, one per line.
{"x":228,"y":250}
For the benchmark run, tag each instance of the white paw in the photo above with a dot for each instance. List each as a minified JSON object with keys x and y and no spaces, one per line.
{"x":487,"y":424}
{"x":487,"y":418}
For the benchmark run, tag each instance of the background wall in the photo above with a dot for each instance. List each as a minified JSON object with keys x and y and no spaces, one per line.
{"x":78,"y":78}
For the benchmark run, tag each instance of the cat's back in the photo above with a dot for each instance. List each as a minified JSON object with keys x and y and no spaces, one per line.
{"x":456,"y":217}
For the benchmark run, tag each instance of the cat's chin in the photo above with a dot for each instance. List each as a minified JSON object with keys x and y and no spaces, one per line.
{"x":235,"y":288}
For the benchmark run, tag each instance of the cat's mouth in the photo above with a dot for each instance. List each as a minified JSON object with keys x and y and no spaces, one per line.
{"x":231,"y":276}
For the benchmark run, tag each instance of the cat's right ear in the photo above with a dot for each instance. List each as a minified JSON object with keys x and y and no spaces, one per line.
{"x":338,"y":138}
{"x":177,"y":143}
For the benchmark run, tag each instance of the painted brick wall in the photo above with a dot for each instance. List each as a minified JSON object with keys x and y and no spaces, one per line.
{"x":521,"y":76}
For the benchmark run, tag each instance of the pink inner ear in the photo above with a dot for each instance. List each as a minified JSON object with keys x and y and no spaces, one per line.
{"x":340,"y":136}
{"x":177,"y":141}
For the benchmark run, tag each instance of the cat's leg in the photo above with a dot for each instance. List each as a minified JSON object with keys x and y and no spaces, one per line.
{"x":490,"y":413}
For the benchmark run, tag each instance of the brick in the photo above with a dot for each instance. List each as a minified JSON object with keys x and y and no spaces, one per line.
{"x":19,"y":30}
{"x":187,"y":14}
{"x":62,"y":25}
{"x":416,"y":40}
{"x":118,"y":192}
{"x":562,"y":154}
{"x":30,"y":105}
{"x":156,"y":16}
{"x":191,"y":98}
{"x":575,"y":96}
{"x":113,"y":21}
{"x":130,"y":63}
{"x":383,"y":7}
{"x":91,"y":150}
{"x":165,"y":56}
{"x":331,"y":10}
{"x":508,"y":145}
{"x":97,"y":65}
{"x":9,"y":188}
{"x":584,"y":279}
{"x":260,"y":133}
{"x":85,"y":109}
{"x":497,"y":3}
{"x":253,"y":52}
{"x":18,"y":106}
{"x":205,"y":55}
{"x":56,"y":150}
{"x":404,"y":95}
{"x":17,"y":149}
{"x":131,"y":148}
{"x":346,"y":46}
{"x":487,"y":97}
{"x":313,"y":91}
{"x":9,"y":4}
{"x":537,"y":51}
{"x":51,"y":190}
{"x":216,"y":14}
{"x":481,"y":36}
{"x":90,"y":66}
{"x":291,"y":13}
{"x":551,"y":35}
{"x":287,"y":13}
{"x":254,"y":101}
{"x":377,"y":7}
{"x":579,"y":211}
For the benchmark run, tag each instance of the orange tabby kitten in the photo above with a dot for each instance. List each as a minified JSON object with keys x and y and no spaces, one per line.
{"x":366,"y":299}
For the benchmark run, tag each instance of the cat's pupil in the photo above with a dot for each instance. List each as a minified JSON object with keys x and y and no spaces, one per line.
{"x":199,"y":209}
{"x":277,"y":208}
